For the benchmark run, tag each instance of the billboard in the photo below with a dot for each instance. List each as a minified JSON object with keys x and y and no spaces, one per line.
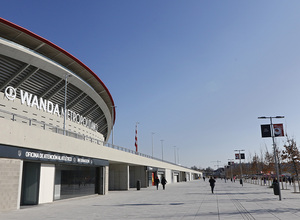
{"x":240,"y":156}
{"x":265,"y":131}
{"x":278,"y":130}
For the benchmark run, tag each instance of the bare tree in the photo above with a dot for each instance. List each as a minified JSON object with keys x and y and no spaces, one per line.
{"x":280,"y":160}
{"x":269,"y":161}
{"x":261,"y":160}
{"x":291,"y":154}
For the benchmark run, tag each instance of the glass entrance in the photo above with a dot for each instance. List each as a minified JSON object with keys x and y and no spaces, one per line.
{"x":30,"y":183}
{"x":74,"y":181}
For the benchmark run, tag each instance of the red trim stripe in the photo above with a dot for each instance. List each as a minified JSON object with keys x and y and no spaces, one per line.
{"x":62,"y":51}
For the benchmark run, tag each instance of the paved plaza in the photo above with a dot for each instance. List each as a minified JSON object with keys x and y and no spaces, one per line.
{"x":186,"y":200}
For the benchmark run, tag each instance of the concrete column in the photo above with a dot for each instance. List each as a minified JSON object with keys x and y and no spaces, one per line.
{"x":101,"y":185}
{"x":118,"y":177}
{"x":46,"y":190}
{"x":176,"y":176}
{"x":106,"y":181}
{"x":168,"y":176}
{"x":138,"y":173}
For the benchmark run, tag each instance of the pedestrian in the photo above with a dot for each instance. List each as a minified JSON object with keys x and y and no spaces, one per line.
{"x":156,"y":181}
{"x":290,"y":180}
{"x":212,"y":184}
{"x":204,"y":178}
{"x":163,"y":182}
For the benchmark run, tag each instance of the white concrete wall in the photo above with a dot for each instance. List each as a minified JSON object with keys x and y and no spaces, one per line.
{"x":23,"y":135}
{"x":168,"y":176}
{"x":41,"y":116}
{"x":46,"y":183}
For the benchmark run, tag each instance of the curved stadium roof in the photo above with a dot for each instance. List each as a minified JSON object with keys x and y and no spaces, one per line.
{"x":24,"y":75}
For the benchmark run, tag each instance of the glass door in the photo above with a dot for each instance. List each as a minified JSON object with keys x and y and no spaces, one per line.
{"x":30,"y":183}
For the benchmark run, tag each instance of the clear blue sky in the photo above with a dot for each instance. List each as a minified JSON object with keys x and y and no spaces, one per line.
{"x":196,"y":73}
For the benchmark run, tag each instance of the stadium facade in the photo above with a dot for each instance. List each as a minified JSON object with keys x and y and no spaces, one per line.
{"x":56,"y":116}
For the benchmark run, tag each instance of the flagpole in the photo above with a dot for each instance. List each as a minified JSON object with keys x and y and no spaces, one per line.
{"x":162,"y":150}
{"x":136,"y":137}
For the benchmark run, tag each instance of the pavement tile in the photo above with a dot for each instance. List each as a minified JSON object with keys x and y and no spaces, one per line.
{"x":185,"y":200}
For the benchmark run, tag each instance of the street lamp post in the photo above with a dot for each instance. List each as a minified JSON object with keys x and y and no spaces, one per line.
{"x":112,"y":126}
{"x":274,"y":147}
{"x":152,"y":133}
{"x":241,"y":179}
{"x":175,"y":153}
{"x":218,"y":161}
{"x":65,"y":102}
{"x":162,"y":150}
{"x":231,"y":160}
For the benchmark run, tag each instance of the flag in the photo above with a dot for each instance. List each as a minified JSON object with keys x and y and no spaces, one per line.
{"x":136,"y":139}
{"x":265,"y":130}
{"x":278,"y":130}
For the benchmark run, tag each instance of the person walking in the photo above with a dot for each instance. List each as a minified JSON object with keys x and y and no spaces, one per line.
{"x":163,"y":182}
{"x":212,"y":184}
{"x":156,"y":181}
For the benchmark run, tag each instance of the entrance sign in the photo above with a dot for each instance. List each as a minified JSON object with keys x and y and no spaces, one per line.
{"x":45,"y":105}
{"x":48,"y":157}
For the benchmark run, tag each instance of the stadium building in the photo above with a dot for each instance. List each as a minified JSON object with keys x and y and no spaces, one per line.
{"x":56,"y":116}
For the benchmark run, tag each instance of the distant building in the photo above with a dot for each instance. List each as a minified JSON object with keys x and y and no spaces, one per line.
{"x":220,"y":173}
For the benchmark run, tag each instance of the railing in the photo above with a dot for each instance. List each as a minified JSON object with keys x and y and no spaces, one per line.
{"x":45,"y":126}
{"x":40,"y":124}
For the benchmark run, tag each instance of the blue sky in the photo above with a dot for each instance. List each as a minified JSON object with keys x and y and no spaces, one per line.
{"x":196,"y":73}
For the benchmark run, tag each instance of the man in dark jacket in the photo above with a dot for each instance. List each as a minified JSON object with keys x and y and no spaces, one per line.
{"x":163,"y":182}
{"x":156,"y":182}
{"x":212,"y":184}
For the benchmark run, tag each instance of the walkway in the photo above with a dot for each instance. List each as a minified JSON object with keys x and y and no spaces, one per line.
{"x":187,"y":200}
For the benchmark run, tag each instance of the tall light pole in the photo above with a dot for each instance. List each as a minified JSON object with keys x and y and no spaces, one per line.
{"x":175,"y":153}
{"x":112,"y":124}
{"x":231,"y":161}
{"x":65,"y":103}
{"x":152,"y":133}
{"x":218,"y":161}
{"x":274,"y":147}
{"x":241,"y":179}
{"x":162,"y":150}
